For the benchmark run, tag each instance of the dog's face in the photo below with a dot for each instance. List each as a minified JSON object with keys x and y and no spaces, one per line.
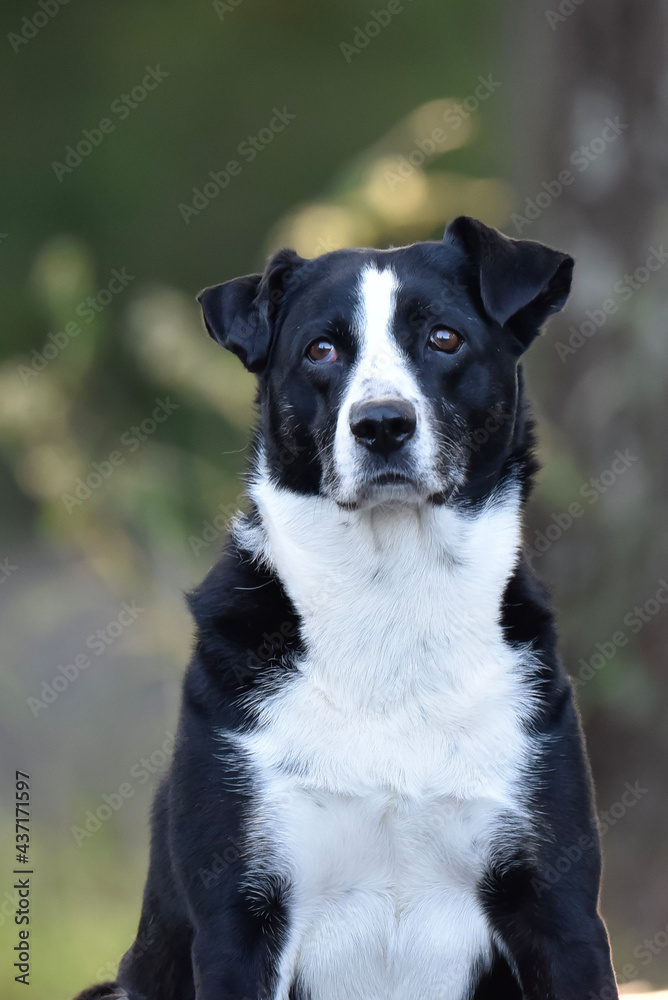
{"x":391,"y":375}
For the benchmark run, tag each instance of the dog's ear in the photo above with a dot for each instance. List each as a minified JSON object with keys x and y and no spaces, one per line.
{"x":240,"y":313}
{"x":521,"y":282}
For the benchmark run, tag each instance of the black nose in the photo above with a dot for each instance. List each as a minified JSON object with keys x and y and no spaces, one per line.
{"x":383,"y":425}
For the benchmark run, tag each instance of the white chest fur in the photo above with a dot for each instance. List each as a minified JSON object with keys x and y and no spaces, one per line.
{"x":388,"y":766}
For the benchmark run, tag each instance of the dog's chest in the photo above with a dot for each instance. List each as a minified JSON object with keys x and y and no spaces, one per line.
{"x":382,"y":826}
{"x":386,"y":771}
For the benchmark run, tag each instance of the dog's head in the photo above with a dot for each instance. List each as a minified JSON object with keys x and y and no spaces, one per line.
{"x":391,"y":375}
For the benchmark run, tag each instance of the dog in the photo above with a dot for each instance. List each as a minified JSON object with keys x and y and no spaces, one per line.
{"x":379,"y":780}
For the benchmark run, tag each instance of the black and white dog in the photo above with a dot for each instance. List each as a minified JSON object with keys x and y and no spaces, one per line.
{"x":379,"y":780}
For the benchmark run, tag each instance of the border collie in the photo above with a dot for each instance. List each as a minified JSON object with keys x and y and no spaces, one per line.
{"x":379,"y":770}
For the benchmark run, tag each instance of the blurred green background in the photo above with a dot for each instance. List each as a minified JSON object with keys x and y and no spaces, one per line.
{"x":123,"y":429}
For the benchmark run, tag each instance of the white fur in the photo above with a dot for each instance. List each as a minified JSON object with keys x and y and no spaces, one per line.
{"x":381,"y":371}
{"x":392,"y":760}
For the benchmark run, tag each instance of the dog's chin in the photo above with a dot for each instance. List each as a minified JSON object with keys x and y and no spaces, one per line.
{"x":386,"y":489}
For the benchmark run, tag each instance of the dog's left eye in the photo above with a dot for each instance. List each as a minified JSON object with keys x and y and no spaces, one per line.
{"x":321,"y":351}
{"x":442,"y":338}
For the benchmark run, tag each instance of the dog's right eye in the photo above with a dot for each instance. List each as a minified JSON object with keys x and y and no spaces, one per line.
{"x":321,"y":351}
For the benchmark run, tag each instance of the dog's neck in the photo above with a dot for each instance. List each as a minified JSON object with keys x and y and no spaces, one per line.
{"x":391,"y":597}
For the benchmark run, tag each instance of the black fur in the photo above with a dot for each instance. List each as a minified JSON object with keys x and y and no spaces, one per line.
{"x":202,"y":934}
{"x":103,"y":991}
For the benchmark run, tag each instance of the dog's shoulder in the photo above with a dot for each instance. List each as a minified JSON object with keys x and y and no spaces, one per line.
{"x":246,"y":627}
{"x":528,"y":622}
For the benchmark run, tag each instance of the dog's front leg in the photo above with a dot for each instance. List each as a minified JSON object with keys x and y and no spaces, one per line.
{"x":558,"y":956}
{"x":225,"y":968}
{"x":543,"y":902}
{"x":235,"y":902}
{"x":238,"y":937}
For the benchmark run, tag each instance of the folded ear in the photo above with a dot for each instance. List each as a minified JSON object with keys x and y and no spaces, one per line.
{"x":521,"y":282}
{"x":240,"y":313}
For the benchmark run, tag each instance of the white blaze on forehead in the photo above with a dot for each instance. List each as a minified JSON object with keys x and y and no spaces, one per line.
{"x":382,"y":367}
{"x":374,"y":314}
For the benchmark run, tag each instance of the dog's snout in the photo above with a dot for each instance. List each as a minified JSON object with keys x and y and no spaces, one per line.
{"x":383,"y":425}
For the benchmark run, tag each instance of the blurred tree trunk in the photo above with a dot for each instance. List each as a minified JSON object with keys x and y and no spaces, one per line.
{"x":594,"y":74}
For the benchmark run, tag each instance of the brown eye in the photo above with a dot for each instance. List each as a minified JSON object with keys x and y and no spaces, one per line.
{"x":443,"y":339}
{"x":321,"y":351}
